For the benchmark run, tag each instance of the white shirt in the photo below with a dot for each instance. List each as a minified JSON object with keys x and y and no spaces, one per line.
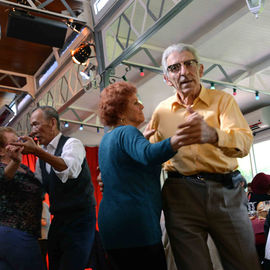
{"x":73,"y":154}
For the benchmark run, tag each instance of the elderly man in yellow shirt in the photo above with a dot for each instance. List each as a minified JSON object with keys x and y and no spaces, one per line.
{"x":202,"y":193}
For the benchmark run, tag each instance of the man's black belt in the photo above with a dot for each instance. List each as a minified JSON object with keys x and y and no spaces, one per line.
{"x":229,"y":180}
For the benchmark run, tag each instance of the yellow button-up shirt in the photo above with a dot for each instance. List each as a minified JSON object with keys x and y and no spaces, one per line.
{"x":220,"y":111}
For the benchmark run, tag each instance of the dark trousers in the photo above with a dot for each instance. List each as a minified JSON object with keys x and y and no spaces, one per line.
{"x":193,"y":208}
{"x":43,"y":244}
{"x":70,"y":241}
{"x":140,"y":258}
{"x":98,"y":259}
{"x":19,"y":250}
{"x":266,"y":264}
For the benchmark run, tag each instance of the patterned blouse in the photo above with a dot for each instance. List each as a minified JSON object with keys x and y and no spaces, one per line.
{"x":21,"y":201}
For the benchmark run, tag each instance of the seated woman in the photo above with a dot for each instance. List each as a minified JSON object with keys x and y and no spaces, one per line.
{"x":260,"y":187}
{"x":129,"y":213}
{"x":20,"y":208}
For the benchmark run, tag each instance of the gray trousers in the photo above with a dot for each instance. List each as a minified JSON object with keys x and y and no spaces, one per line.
{"x":193,"y":208}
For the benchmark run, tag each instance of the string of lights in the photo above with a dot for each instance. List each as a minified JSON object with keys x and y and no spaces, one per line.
{"x":83,"y":53}
{"x":113,"y":78}
{"x":212,"y":83}
{"x":81,"y":124}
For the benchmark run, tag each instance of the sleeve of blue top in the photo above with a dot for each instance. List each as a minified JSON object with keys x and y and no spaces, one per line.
{"x":140,"y":149}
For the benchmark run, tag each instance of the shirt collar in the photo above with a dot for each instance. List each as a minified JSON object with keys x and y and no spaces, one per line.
{"x":203,"y":96}
{"x":54,"y":142}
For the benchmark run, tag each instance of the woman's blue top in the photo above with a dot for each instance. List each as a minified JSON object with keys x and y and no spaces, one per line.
{"x":129,"y":213}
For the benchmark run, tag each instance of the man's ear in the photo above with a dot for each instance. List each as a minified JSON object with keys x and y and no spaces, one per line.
{"x":166,"y":79}
{"x":201,"y":69}
{"x":54,"y":122}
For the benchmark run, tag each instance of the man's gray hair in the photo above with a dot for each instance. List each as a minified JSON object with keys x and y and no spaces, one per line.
{"x":177,"y":48}
{"x":49,"y":112}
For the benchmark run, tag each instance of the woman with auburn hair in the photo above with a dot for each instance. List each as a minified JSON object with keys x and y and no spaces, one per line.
{"x":129,"y":213}
{"x":20,"y":208}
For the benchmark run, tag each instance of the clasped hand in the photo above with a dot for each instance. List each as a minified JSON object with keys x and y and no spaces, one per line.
{"x":14,"y":153}
{"x":194,"y":131}
{"x":27,"y":143}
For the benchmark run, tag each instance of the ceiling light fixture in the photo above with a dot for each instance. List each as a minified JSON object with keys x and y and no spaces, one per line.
{"x":212,"y":86}
{"x":141,"y":72}
{"x":257,"y":97}
{"x":255,"y":6}
{"x":234,"y":91}
{"x":66,"y":124}
{"x":81,"y":127}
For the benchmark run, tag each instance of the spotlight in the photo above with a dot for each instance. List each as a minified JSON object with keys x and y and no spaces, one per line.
{"x":86,"y":73}
{"x":81,"y":127}
{"x":124,"y":78}
{"x":234,"y":91}
{"x":66,"y":124}
{"x":82,"y":53}
{"x":212,"y":86}
{"x":141,"y":72}
{"x":257,"y":97}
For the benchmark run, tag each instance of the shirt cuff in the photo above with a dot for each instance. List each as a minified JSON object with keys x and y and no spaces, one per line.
{"x":63,"y":175}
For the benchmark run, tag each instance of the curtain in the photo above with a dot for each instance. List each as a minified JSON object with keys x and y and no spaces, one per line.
{"x":29,"y":161}
{"x":92,"y":159}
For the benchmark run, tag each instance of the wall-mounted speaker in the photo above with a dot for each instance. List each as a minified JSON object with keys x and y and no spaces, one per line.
{"x":22,"y":25}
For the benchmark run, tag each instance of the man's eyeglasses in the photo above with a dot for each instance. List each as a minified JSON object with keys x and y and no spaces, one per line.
{"x":189,"y":64}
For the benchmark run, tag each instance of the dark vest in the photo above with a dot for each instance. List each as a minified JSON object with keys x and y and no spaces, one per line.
{"x":74,"y":195}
